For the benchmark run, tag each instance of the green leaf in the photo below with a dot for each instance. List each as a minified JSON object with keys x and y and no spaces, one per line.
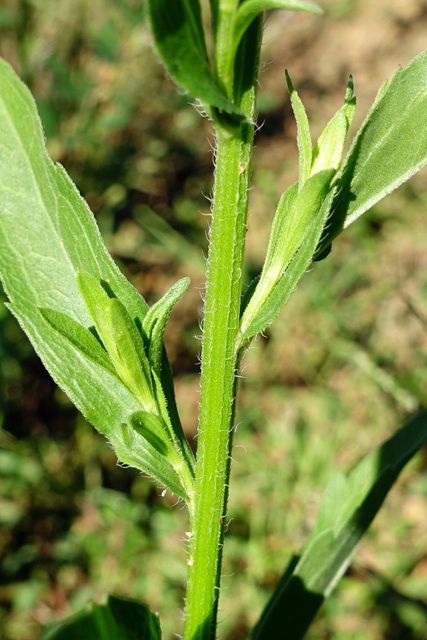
{"x":46,"y":226}
{"x":283,"y":219}
{"x":303,"y":134}
{"x":109,"y":404}
{"x":79,"y":337}
{"x":350,"y":504}
{"x":48,"y":233}
{"x":178,"y":34}
{"x":250,"y":9}
{"x":117,"y":619}
{"x":214,"y":4}
{"x":131,"y":360}
{"x":153,"y":429}
{"x":329,"y":148}
{"x":154,"y":324}
{"x":389,"y":148}
{"x":285,"y":286}
{"x":299,"y":221}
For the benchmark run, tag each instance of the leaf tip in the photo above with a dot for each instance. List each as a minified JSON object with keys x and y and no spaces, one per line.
{"x":289,"y":83}
{"x":349,"y":92}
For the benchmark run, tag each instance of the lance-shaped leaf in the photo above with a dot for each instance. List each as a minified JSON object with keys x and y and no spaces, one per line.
{"x":350,"y":504}
{"x":298,"y":217}
{"x":389,"y":148}
{"x":285,"y":286}
{"x":156,"y":432}
{"x":303,"y":134}
{"x":47,"y":233}
{"x":154,"y":324}
{"x":81,"y":338}
{"x":178,"y":34}
{"x":173,"y":426}
{"x":120,"y":337}
{"x":117,"y":618}
{"x":328,"y":150}
{"x":47,"y":230}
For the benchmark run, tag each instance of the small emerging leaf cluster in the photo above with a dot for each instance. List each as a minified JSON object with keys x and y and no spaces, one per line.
{"x":134,"y":356}
{"x":300,"y":216}
{"x":331,"y":193}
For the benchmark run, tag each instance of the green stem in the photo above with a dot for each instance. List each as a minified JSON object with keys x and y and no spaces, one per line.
{"x":220,"y":359}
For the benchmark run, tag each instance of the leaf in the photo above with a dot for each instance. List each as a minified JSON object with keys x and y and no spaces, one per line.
{"x":155,"y":431}
{"x":46,"y":226}
{"x":284,"y":288}
{"x":47,"y":233}
{"x":388,"y":149}
{"x":329,"y":148}
{"x":117,"y":619}
{"x":108,"y":403}
{"x":298,"y":223}
{"x":349,"y":506}
{"x":303,"y":134}
{"x":285,"y":214}
{"x":154,"y":324}
{"x":250,"y":9}
{"x":131,"y":360}
{"x":290,"y":228}
{"x":214,"y":4}
{"x":79,"y":337}
{"x":178,"y":34}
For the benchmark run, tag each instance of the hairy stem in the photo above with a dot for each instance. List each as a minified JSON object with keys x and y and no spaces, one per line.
{"x":220,"y":358}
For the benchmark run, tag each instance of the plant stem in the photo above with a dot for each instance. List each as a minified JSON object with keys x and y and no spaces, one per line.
{"x":221,"y":323}
{"x":220,"y":360}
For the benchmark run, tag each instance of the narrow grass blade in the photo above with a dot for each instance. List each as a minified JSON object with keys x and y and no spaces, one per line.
{"x":350,"y":504}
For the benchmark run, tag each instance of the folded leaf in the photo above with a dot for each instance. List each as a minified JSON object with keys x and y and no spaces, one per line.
{"x":350,"y":504}
{"x":155,"y":431}
{"x":328,"y":150}
{"x":173,"y":426}
{"x":389,"y":148}
{"x":285,"y":286}
{"x":285,"y":215}
{"x":299,"y":220}
{"x":118,"y":618}
{"x":178,"y":34}
{"x":303,"y":134}
{"x":154,"y":324}
{"x":291,"y":226}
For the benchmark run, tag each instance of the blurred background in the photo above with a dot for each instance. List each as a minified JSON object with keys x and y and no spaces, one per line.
{"x":338,"y":372}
